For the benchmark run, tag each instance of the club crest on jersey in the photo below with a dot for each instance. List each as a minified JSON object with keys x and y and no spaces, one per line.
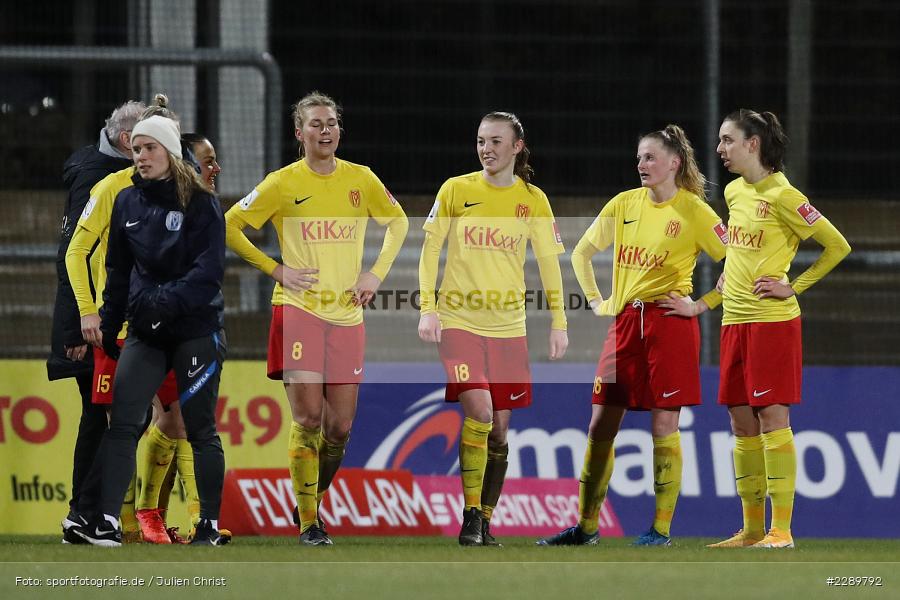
{"x":722,"y":232}
{"x":522,"y":212}
{"x":174,"y":220}
{"x":809,"y":213}
{"x":390,"y":197}
{"x":673,"y":228}
{"x":354,"y":198}
{"x":762,"y":209}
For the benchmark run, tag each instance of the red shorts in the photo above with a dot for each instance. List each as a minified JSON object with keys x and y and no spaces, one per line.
{"x":336,"y":351}
{"x":761,"y":364}
{"x":105,"y":371}
{"x":476,"y":362}
{"x":656,"y":368}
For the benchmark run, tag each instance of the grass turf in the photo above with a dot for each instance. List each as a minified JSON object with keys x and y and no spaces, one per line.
{"x":435,"y":567}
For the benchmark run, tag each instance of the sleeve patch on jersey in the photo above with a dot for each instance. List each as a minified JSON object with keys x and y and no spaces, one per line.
{"x":247,"y":200}
{"x":722,"y":232}
{"x":434,"y":211}
{"x":556,"y":232}
{"x":809,"y":213}
{"x":390,"y":196}
{"x":89,"y":207}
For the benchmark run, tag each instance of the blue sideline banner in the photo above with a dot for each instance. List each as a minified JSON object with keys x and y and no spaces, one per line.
{"x":847,"y":434}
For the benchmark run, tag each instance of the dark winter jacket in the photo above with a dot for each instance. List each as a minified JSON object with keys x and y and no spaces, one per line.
{"x":164,"y":266}
{"x":81,"y":172}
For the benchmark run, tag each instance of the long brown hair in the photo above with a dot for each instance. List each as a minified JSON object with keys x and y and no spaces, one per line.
{"x":675,"y":140}
{"x":187,"y":180}
{"x":522,"y":169}
{"x":773,"y":140}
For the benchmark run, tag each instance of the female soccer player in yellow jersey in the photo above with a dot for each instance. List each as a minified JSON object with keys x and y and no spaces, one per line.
{"x":319,"y":206}
{"x":761,"y":356}
{"x":479,"y":323}
{"x":650,"y":360}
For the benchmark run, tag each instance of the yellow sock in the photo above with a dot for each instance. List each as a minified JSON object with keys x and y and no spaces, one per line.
{"x":472,"y":459}
{"x":184,"y":456}
{"x":129,"y":521}
{"x":598,"y":467}
{"x":158,"y":454}
{"x":750,"y":480}
{"x":303,"y":460}
{"x":165,"y":490}
{"x":781,"y":475}
{"x":666,"y":479}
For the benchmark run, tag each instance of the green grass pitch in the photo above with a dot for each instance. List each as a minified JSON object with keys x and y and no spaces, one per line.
{"x":435,"y":567}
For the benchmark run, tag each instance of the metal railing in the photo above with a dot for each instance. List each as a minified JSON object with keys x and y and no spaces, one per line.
{"x":127,"y":56}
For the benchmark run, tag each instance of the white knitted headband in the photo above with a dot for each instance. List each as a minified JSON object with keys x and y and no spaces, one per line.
{"x":163,"y":130}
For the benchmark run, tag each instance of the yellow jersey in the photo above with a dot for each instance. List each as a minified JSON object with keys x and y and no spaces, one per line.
{"x":321,"y":223}
{"x":655,"y":244}
{"x":766,"y":222}
{"x":95,"y":220}
{"x":489,"y":227}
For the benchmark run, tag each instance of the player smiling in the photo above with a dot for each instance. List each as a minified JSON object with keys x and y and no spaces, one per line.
{"x":320,"y":206}
{"x":479,"y":324}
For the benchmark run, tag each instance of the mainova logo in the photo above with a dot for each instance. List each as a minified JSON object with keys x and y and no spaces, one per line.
{"x":824,"y":458}
{"x":429,"y":417}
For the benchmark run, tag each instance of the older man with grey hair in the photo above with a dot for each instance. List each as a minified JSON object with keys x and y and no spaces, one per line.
{"x":68,"y":351}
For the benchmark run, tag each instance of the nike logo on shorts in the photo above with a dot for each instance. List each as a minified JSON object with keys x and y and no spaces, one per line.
{"x":195,"y":371}
{"x":763,"y":393}
{"x":515,"y":397}
{"x":156,"y":325}
{"x":132,"y":223}
{"x":670,"y":394}
{"x":357,"y":371}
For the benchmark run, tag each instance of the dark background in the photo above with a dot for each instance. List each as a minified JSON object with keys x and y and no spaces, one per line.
{"x":586,"y":78}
